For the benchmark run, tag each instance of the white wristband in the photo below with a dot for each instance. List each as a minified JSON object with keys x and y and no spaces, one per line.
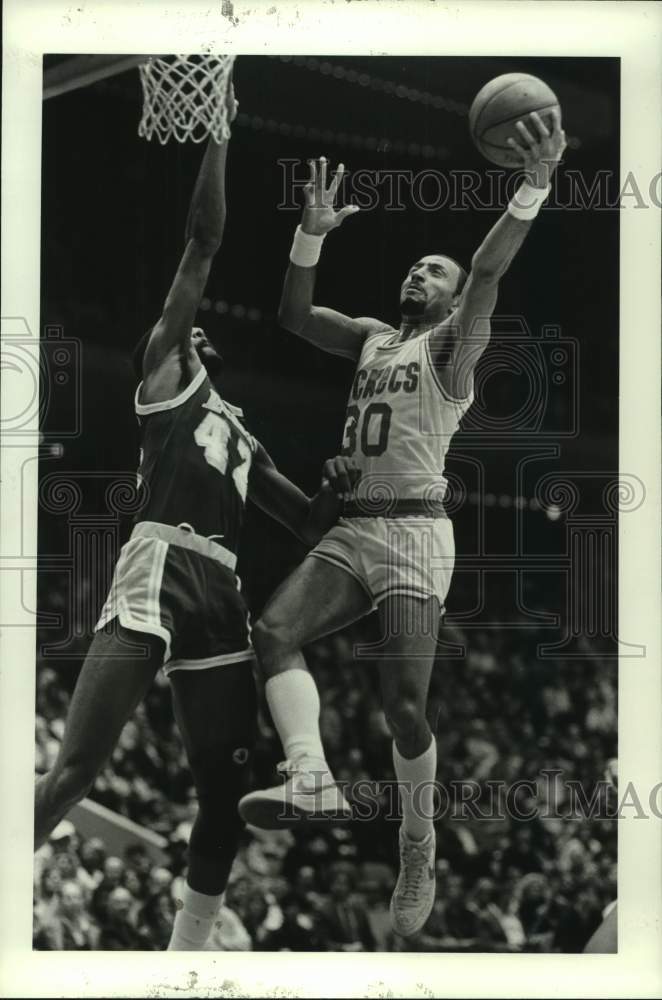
{"x":306,"y":248}
{"x":527,"y":201}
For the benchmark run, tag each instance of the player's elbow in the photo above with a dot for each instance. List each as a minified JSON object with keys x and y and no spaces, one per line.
{"x":204,"y":238}
{"x":207,"y":244}
{"x":289,"y":319}
{"x":285,"y":318}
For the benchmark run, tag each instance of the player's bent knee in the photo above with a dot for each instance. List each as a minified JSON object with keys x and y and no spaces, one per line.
{"x":221,"y":772}
{"x":271,"y":639}
{"x":221,"y":777}
{"x":404,"y":717}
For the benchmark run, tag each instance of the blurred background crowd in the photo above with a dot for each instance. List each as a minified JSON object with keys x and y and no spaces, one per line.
{"x":500,"y":714}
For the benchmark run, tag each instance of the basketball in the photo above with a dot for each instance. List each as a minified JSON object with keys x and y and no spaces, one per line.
{"x":501,"y":103}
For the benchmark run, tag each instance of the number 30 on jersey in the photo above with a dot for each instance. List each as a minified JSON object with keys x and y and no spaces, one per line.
{"x":368,"y":430}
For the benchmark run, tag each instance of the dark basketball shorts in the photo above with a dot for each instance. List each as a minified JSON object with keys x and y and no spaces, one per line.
{"x":180,"y":586}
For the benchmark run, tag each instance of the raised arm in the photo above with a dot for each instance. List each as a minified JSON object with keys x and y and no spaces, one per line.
{"x":168,"y":355}
{"x":540,"y":151}
{"x":308,"y":519}
{"x":325,"y":328}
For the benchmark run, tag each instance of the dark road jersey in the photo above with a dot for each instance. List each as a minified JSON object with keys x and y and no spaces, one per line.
{"x":195,"y":460}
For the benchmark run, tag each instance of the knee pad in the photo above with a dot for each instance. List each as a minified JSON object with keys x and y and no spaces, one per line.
{"x":222,"y":771}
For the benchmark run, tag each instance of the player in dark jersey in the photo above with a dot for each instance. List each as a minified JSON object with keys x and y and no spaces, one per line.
{"x":175,"y":600}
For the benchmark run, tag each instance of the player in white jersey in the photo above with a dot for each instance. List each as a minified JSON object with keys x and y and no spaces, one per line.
{"x":393,"y":548}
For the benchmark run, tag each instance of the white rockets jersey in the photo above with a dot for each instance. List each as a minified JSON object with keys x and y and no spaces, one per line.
{"x":400,"y":420}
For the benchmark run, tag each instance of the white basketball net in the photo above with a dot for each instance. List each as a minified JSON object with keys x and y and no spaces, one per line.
{"x":184,"y":98}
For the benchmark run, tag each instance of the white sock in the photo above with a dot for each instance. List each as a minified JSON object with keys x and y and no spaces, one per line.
{"x":417,"y":799}
{"x":295,"y":708}
{"x":193,"y":921}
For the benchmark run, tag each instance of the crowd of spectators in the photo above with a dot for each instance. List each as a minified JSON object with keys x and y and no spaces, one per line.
{"x":501,"y":715}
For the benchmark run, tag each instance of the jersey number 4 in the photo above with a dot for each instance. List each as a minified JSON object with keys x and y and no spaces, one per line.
{"x":371,"y":432}
{"x":213,"y":434}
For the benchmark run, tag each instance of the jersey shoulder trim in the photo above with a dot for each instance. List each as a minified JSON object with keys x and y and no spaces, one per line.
{"x":237,"y":410}
{"x":143,"y":409}
{"x":385,"y":339}
{"x":466,"y":401}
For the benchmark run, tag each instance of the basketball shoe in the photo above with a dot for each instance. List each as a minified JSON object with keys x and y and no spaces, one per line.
{"x":309,"y":792}
{"x":413,"y":895}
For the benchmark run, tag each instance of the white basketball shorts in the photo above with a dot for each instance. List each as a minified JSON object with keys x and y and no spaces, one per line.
{"x":395,"y":555}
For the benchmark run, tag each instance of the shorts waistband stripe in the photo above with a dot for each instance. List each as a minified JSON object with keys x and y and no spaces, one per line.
{"x":223,"y":659}
{"x":394,"y":508}
{"x":187,"y":540}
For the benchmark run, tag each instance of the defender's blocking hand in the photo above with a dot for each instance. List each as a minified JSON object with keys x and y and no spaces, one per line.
{"x":319,"y":215}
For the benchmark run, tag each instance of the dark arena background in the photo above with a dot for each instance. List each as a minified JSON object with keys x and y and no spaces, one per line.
{"x":525,"y":685}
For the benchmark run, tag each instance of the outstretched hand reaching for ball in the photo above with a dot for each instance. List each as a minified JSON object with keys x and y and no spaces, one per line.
{"x":319,"y":215}
{"x":539,"y":149}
